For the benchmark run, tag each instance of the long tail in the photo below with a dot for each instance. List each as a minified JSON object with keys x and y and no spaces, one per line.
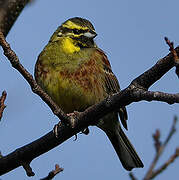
{"x":124,"y":149}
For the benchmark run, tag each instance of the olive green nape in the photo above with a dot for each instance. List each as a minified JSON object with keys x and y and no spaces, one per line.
{"x":54,"y":36}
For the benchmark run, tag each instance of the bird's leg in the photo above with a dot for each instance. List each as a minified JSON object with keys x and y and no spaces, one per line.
{"x":73,"y":116}
{"x":72,"y":123}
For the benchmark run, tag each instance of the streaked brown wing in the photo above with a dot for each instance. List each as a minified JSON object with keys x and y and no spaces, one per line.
{"x":112,"y":86}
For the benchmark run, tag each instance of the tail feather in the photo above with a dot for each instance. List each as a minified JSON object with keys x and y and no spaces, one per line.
{"x":124,"y":149}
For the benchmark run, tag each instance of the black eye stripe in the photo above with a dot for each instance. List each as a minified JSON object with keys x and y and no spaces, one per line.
{"x":79,"y":31}
{"x":66,"y":30}
{"x":75,"y":31}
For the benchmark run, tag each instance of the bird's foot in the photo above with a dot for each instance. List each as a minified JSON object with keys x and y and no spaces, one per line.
{"x":73,"y":118}
{"x":84,"y":131}
{"x":76,"y":137}
{"x":72,"y":123}
{"x":55,"y":129}
{"x":73,"y":115}
{"x":76,"y":114}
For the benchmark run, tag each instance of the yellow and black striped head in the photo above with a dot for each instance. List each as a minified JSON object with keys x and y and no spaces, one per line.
{"x":78,"y":29}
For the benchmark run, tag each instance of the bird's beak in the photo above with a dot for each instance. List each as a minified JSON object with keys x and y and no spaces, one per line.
{"x":90,"y":34}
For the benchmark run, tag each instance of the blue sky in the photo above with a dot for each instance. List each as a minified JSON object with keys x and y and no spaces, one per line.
{"x":132,"y":35}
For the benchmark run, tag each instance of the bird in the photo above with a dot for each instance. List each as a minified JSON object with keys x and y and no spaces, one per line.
{"x":77,"y":74}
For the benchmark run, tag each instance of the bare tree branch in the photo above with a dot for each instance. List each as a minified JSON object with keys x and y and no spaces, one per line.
{"x":166,"y":164}
{"x":2,"y":105}
{"x":172,"y":131}
{"x":131,"y":175}
{"x":160,"y":147}
{"x":137,"y":91}
{"x":157,"y":142}
{"x":53,"y":173}
{"x":9,"y":11}
{"x":176,"y":58}
{"x":27,"y":168}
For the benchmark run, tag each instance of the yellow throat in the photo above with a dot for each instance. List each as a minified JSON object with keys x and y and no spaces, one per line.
{"x":69,"y":46}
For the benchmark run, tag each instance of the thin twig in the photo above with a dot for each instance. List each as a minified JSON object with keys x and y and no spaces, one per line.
{"x":53,"y":173}
{"x":160,"y":150}
{"x":131,"y":175}
{"x":166,"y":164}
{"x":157,"y":142}
{"x":2,"y":105}
{"x":172,"y":131}
{"x":173,"y":51}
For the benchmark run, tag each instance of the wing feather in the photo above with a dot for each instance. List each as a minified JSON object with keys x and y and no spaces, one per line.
{"x":112,"y":86}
